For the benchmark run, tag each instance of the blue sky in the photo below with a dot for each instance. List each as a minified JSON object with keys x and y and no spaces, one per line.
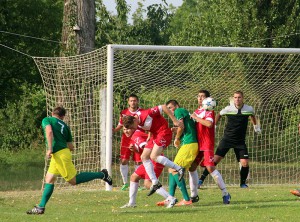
{"x":110,"y":4}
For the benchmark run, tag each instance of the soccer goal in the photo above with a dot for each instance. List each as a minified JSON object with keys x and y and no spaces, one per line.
{"x":94,"y":88}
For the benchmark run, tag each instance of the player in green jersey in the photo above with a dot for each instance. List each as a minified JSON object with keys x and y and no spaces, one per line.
{"x":59,"y":146}
{"x":186,"y":142}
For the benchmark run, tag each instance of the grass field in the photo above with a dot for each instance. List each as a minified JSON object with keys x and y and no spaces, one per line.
{"x":258,"y":203}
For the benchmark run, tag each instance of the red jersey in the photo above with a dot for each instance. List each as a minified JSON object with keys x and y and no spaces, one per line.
{"x":127,"y":112}
{"x":205,"y":135}
{"x":152,"y":120}
{"x":139,"y":140}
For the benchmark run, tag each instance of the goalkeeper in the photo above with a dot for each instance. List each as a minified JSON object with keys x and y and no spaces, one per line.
{"x":59,"y":146}
{"x":234,"y":136}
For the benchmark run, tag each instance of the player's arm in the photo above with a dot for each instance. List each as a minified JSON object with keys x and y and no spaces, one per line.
{"x":172,"y":117}
{"x":202,"y":121}
{"x":256,"y":126}
{"x":217,"y":118}
{"x":49,"y":137}
{"x":118,"y":128}
{"x":70,"y":146}
{"x":179,"y":132}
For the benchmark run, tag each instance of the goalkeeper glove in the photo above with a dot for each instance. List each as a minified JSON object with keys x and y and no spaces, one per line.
{"x":257,"y":128}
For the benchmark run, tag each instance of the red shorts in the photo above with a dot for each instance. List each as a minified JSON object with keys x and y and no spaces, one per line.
{"x":141,"y":171}
{"x":125,"y":152}
{"x":162,"y":139}
{"x":205,"y":158}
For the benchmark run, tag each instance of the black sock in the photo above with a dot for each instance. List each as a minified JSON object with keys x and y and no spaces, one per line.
{"x":244,"y":174}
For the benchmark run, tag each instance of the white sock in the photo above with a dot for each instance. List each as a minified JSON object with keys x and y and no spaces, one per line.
{"x":166,"y":162}
{"x":124,"y":172}
{"x":132,"y":192}
{"x":219,"y":181}
{"x":161,"y":191}
{"x":150,"y":171}
{"x":193,"y":179}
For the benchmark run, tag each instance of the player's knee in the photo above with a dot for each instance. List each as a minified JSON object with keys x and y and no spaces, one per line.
{"x":153,"y":157}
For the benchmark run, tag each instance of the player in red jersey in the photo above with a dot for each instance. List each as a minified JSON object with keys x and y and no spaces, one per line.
{"x":125,"y":152}
{"x":152,"y":120}
{"x":205,"y":125}
{"x":139,"y":139}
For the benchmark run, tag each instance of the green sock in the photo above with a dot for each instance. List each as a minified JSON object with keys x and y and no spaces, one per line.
{"x":172,"y":185}
{"x":48,"y":190}
{"x":182,"y":186}
{"x":88,"y":176}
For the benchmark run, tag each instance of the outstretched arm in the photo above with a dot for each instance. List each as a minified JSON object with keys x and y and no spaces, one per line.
{"x":172,"y":117}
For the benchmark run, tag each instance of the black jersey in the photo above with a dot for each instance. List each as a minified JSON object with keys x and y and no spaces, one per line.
{"x":237,"y":122}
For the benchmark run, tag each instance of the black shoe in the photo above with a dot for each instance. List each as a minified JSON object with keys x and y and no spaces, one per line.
{"x":107,"y":178}
{"x":180,"y":173}
{"x":195,"y":199}
{"x":36,"y":210}
{"x":153,"y":188}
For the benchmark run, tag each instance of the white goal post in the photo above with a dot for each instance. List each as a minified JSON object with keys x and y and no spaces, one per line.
{"x":94,"y":88}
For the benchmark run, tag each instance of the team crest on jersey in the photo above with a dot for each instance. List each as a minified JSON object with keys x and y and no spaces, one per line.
{"x":211,"y":159}
{"x":163,"y":142}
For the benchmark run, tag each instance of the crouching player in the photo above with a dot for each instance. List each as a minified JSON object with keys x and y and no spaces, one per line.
{"x":139,"y":140}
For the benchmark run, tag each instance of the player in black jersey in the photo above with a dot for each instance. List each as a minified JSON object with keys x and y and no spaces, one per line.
{"x":234,"y":136}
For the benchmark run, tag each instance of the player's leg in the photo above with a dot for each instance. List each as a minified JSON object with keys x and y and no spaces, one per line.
{"x":133,"y":189}
{"x":125,"y":154}
{"x":136,"y":157}
{"x":193,"y":179}
{"x":50,"y":179}
{"x":243,"y":157}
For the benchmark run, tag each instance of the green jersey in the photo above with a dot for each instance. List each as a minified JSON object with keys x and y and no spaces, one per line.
{"x":61,"y":133}
{"x":189,"y":134}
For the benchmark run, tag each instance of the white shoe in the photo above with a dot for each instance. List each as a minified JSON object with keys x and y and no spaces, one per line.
{"x":128,"y":206}
{"x":171,"y":203}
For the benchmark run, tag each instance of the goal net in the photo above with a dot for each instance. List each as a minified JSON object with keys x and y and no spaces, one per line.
{"x":94,"y":89}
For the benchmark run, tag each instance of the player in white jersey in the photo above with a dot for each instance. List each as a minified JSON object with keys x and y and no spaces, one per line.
{"x":234,"y":136}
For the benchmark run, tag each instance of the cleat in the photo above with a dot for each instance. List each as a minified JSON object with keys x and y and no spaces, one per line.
{"x":107,"y":178}
{"x":124,"y":187}
{"x":36,"y":210}
{"x":195,"y":199}
{"x":153,"y":188}
{"x":200,"y":183}
{"x":128,"y":206}
{"x":171,"y":203}
{"x":184,"y":203}
{"x":244,"y":186}
{"x":226,"y":199}
{"x":141,"y":188}
{"x":295,"y":192}
{"x":162,"y":203}
{"x":180,"y":173}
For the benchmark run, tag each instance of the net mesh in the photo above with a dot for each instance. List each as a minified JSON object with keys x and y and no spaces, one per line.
{"x":270,"y":82}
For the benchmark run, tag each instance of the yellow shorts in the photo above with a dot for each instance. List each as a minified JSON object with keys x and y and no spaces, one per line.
{"x":61,"y":164}
{"x":186,"y":155}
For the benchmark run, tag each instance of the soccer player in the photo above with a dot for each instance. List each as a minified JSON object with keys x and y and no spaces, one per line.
{"x":152,"y":120}
{"x":139,"y":140}
{"x":59,"y":146}
{"x":125,"y":152}
{"x":186,"y":142}
{"x":234,"y":136}
{"x":206,"y":139}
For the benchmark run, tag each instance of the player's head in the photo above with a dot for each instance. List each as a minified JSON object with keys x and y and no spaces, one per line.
{"x":129,"y":125}
{"x":202,"y":94}
{"x":238,"y":98}
{"x":59,"y":112}
{"x":172,"y":105}
{"x":133,"y":101}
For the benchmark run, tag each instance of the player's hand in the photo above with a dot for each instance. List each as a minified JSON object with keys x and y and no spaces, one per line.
{"x":177,"y":142}
{"x":49,"y":154}
{"x":257,"y":128}
{"x":193,"y":116}
{"x":179,"y":124}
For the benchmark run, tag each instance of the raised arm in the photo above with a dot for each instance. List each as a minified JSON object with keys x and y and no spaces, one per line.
{"x":172,"y":117}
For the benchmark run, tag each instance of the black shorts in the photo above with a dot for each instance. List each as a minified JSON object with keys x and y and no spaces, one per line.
{"x":240,"y":149}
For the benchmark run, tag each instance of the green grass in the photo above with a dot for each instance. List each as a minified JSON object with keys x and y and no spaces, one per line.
{"x":258,"y":203}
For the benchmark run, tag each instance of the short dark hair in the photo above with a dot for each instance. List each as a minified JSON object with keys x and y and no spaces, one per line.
{"x":128,"y":121}
{"x":239,"y":92}
{"x":134,"y":96}
{"x":173,"y":102}
{"x":207,"y":94}
{"x":59,"y":111}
